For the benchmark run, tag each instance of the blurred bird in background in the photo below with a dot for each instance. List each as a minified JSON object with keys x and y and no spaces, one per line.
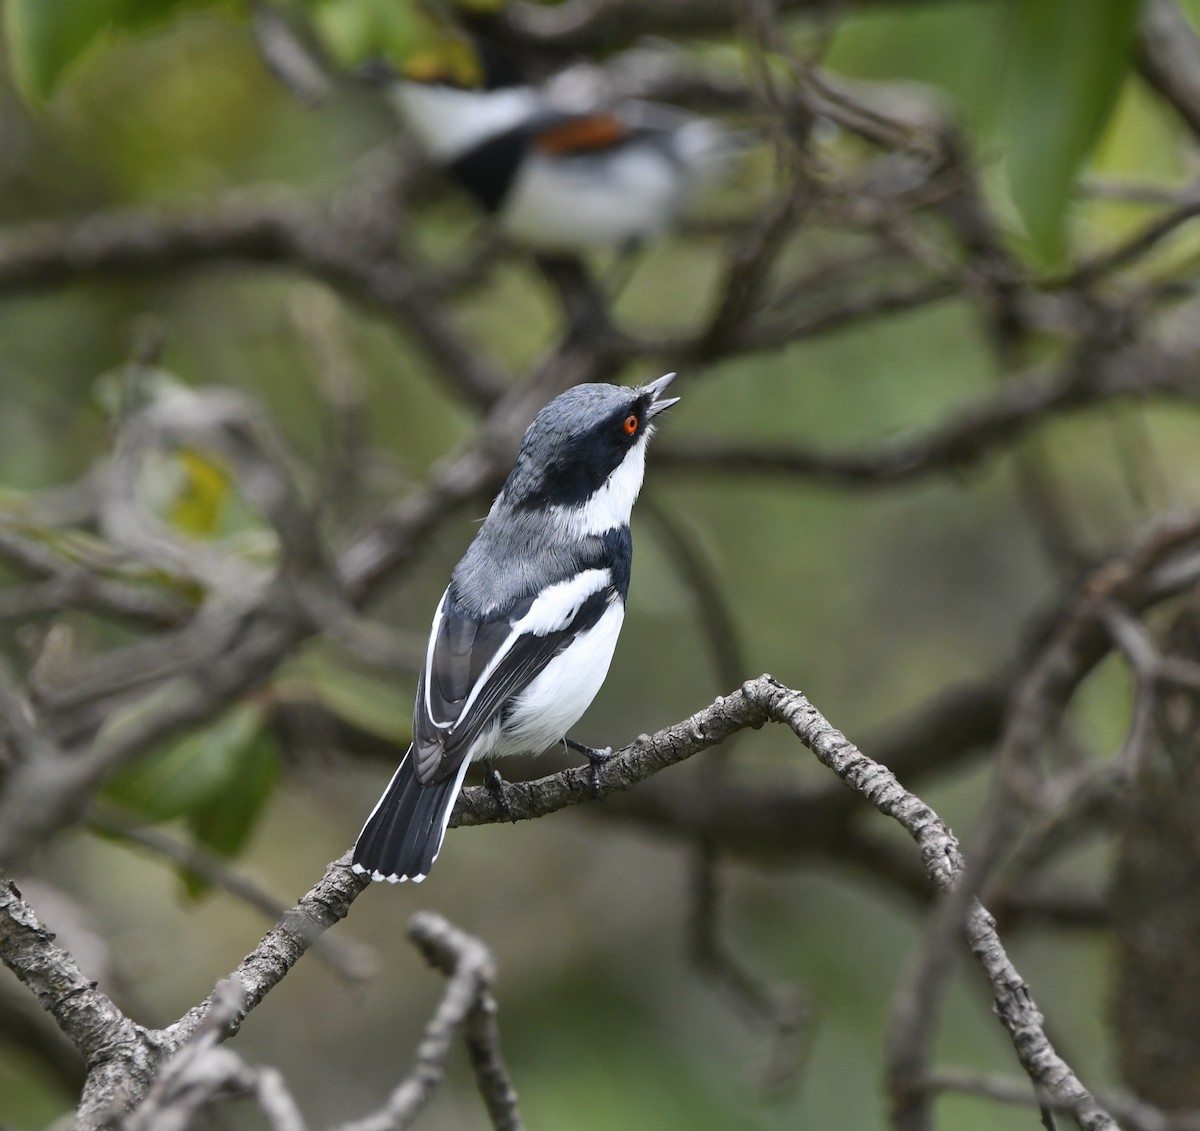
{"x":558,"y":180}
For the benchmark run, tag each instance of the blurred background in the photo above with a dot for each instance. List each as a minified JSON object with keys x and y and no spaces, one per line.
{"x":874,"y":594}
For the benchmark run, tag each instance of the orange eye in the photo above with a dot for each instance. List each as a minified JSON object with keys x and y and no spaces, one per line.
{"x":631,"y":424}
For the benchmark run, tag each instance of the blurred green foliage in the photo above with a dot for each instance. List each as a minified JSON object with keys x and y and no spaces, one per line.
{"x":868,"y":602}
{"x":1069,"y":61}
{"x":1066,"y":63}
{"x":354,"y":31}
{"x":217,"y":780}
{"x":46,"y":40}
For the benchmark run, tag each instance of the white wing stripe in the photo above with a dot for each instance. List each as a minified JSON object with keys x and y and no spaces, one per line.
{"x":433,"y":635}
{"x":556,"y":605}
{"x":552,"y":611}
{"x":486,"y":674}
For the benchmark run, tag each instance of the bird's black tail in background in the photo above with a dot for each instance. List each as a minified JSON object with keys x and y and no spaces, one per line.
{"x":401,"y":838}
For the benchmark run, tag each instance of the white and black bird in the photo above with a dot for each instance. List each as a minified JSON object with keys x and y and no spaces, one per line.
{"x":524,"y":634}
{"x":563,"y":181}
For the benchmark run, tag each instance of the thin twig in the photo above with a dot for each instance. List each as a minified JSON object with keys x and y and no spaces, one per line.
{"x":963,"y":439}
{"x":784,"y":1012}
{"x":30,"y":952}
{"x":355,"y":962}
{"x":466,"y":1006}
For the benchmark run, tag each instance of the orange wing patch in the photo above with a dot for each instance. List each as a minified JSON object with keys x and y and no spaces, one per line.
{"x":582,"y":135}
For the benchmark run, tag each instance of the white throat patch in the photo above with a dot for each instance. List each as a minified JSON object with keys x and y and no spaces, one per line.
{"x":611,"y":506}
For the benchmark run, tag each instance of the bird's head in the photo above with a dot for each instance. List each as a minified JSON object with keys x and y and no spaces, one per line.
{"x":583,"y":457}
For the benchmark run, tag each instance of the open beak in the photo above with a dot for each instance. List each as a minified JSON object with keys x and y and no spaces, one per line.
{"x":656,"y":390}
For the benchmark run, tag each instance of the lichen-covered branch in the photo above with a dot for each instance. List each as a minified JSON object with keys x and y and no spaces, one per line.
{"x":756,"y":703}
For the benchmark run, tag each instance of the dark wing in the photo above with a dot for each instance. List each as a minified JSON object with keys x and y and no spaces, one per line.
{"x":475,"y":666}
{"x":488,"y":170}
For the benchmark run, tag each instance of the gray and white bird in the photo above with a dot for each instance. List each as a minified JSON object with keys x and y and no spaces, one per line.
{"x":562,"y":180}
{"x":524,"y":634}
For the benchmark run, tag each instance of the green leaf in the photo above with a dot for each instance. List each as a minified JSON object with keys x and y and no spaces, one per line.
{"x":191,"y":773}
{"x":374,"y":705}
{"x":353,"y":31}
{"x":137,"y":15}
{"x":46,"y":38}
{"x":1069,"y":60}
{"x":226,"y":822}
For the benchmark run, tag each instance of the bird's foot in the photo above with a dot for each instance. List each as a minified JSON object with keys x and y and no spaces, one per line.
{"x":497,"y":788}
{"x":596,"y":757}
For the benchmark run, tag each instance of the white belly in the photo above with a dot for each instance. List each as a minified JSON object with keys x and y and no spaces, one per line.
{"x":553,"y":703}
{"x":556,"y":205}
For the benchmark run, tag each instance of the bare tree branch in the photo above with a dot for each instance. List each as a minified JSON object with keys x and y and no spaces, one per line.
{"x":201,"y":1073}
{"x":216,"y":627}
{"x":1168,"y":545}
{"x":277,"y":228}
{"x":180,"y":681}
{"x":292,"y":60}
{"x":115,"y":1049}
{"x":966,"y":437}
{"x":1136,"y":246}
{"x":1169,"y":58}
{"x":757,"y":702}
{"x":583,"y":25}
{"x":785,"y":1013}
{"x":467,"y":1006}
{"x":70,"y":584}
{"x":327,"y":903}
{"x":1134,"y":1114}
{"x":699,"y":574}
{"x":352,"y":961}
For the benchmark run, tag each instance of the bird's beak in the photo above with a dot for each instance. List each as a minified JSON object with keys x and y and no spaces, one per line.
{"x":656,"y":390}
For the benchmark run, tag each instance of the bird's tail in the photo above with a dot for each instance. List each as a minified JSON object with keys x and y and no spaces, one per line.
{"x":403,"y":834}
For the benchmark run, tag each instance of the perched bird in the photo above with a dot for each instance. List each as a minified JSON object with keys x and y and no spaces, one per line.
{"x":557,"y":180}
{"x":524,"y":634}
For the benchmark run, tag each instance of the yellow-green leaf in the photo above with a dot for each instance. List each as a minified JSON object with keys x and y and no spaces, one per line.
{"x":200,"y":499}
{"x":354,"y":31}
